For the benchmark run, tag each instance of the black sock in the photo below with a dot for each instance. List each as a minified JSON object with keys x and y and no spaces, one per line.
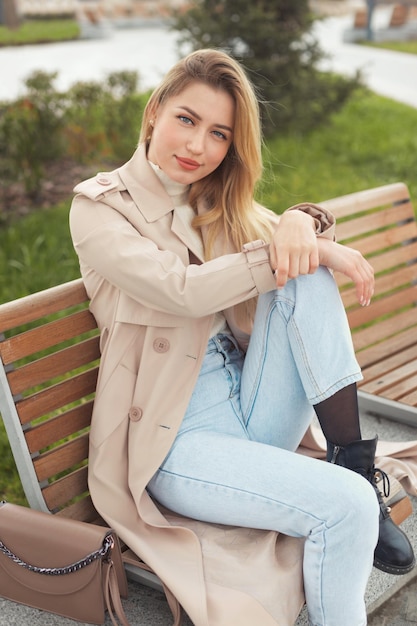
{"x":339,"y":416}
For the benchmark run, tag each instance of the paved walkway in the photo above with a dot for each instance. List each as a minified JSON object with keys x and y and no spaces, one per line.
{"x":149,"y":50}
{"x":400,"y":610}
{"x":388,"y":73}
{"x":152,"y":50}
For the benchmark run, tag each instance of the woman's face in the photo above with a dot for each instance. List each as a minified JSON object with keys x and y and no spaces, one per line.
{"x":192,"y":132}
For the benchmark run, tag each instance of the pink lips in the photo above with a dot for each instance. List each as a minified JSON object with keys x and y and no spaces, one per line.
{"x":188,"y":164}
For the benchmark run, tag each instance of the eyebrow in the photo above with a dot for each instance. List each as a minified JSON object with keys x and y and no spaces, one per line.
{"x":194,"y":114}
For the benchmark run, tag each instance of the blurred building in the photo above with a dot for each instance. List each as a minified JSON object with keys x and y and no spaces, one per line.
{"x":101,"y":8}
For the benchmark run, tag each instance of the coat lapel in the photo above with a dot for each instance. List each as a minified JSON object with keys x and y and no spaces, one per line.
{"x":155,"y":205}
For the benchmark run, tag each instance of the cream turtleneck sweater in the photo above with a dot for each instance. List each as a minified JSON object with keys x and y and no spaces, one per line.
{"x":178,"y":193}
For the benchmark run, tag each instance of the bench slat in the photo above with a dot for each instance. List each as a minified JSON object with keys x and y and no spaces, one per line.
{"x":53,"y":365}
{"x":41,"y":304}
{"x":385,"y":328}
{"x":371,"y":222}
{"x":391,"y":362}
{"x":82,"y":510}
{"x":379,"y":308}
{"x":356,"y":202}
{"x":398,"y":391}
{"x":49,"y":432}
{"x":46,"y":336}
{"x":388,"y":346}
{"x":394,"y":237}
{"x":57,"y":396}
{"x":396,"y":280}
{"x":390,"y":378}
{"x":63,"y":490}
{"x":61,"y":458}
{"x":386,"y":261}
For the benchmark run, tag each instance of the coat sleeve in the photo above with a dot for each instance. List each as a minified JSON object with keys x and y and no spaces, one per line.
{"x":109,"y":244}
{"x":324,"y":220}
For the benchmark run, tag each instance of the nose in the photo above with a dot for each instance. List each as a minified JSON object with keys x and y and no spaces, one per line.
{"x":195,"y":143}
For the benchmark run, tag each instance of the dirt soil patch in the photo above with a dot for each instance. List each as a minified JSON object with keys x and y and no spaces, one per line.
{"x":57,"y":186}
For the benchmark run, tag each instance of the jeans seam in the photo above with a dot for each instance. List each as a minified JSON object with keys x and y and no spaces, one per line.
{"x":244,"y":491}
{"x":255,"y":386}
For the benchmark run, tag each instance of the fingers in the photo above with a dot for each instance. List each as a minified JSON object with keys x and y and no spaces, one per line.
{"x":290,"y":265}
{"x":361,"y":273}
{"x":293,"y":261}
{"x":293,"y":248}
{"x":365,"y":285}
{"x":352,"y":264}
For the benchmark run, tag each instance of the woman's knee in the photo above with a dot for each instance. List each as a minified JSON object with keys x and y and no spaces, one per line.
{"x":358,"y":504}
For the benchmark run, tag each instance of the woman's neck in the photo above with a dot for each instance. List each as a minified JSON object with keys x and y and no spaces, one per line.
{"x":178,"y":192}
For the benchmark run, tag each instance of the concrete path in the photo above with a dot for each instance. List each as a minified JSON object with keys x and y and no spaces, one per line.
{"x":152,"y":50}
{"x":388,"y":73}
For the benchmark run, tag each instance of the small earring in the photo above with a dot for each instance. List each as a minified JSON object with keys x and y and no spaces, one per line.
{"x":151,"y":123}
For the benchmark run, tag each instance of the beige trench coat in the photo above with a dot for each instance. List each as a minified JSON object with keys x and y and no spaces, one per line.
{"x":129,"y":239}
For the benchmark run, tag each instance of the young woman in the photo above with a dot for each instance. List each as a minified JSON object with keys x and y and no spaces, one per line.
{"x":222,"y":333}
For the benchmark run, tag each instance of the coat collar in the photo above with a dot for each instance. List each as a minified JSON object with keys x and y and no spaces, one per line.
{"x":150,"y":196}
{"x":145,"y":187}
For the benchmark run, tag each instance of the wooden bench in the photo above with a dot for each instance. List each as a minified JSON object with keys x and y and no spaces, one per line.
{"x":49,"y":359}
{"x":49,"y":356}
{"x":360,"y":19}
{"x":399,"y":16}
{"x":381,"y":224}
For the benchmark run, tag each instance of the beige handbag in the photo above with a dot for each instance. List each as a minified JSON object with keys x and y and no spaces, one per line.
{"x":61,"y":565}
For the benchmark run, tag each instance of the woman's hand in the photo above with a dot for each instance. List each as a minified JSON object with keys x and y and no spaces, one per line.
{"x":294,"y":248}
{"x":351,"y":263}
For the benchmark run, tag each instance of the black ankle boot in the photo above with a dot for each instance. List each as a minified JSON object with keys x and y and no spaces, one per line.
{"x":393,"y":553}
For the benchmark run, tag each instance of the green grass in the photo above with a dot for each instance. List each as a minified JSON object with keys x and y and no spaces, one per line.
{"x":370,"y":142}
{"x":35,"y":253}
{"x":400,"y":46}
{"x":40,"y":31}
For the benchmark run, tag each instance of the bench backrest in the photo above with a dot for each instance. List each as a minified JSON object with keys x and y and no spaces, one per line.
{"x":381,"y":224}
{"x":49,"y":349}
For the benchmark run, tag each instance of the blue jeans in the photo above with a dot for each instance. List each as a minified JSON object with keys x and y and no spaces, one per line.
{"x":234,"y":461}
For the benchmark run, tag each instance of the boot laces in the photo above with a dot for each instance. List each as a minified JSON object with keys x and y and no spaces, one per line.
{"x":377,"y":476}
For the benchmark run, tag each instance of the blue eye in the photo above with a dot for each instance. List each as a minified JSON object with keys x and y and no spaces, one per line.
{"x":219,"y":134}
{"x":185,"y":119}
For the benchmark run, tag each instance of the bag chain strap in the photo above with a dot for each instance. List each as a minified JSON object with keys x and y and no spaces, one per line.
{"x":108,"y":544}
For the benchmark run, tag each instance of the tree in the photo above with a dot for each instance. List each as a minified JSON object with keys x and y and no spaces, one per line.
{"x":272,"y":39}
{"x":9,"y":15}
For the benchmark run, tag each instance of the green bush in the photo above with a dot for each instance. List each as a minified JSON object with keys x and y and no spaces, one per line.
{"x":31,"y":132}
{"x":123,"y":114}
{"x":84,"y":131}
{"x":91,"y":122}
{"x":103,"y":120}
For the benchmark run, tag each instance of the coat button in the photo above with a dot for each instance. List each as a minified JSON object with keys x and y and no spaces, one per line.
{"x":135,"y":414}
{"x":161,"y":345}
{"x":103,"y":180}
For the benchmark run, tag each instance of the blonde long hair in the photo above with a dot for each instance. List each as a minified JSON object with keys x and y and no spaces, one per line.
{"x":228,"y":192}
{"x":232,"y":217}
